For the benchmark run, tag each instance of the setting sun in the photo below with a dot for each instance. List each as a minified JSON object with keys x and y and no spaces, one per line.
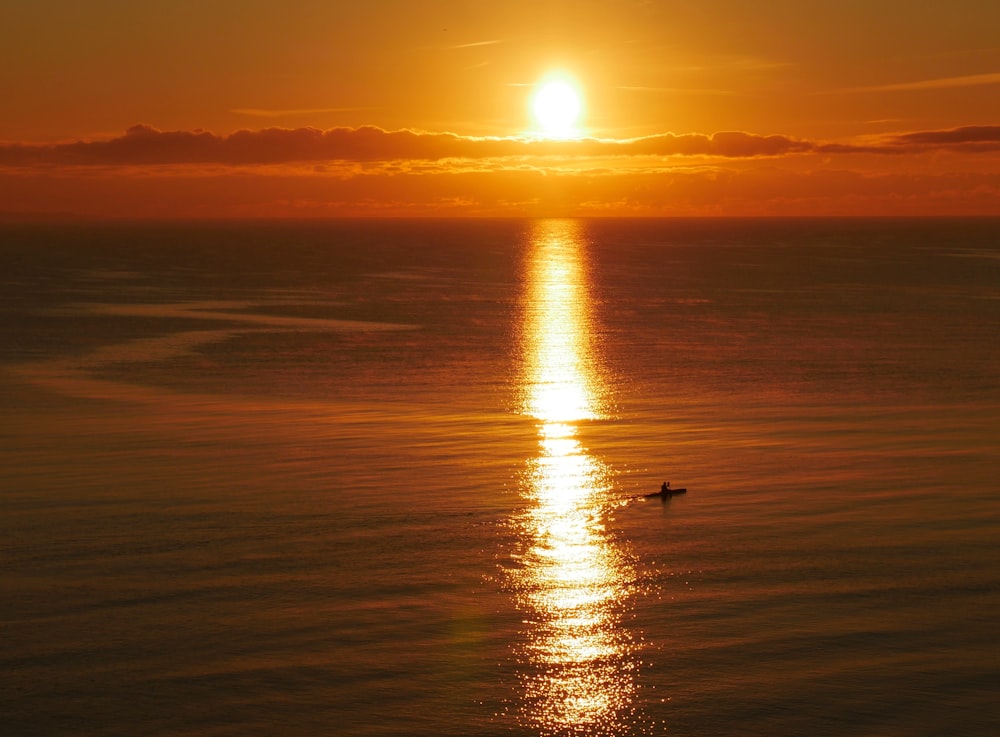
{"x":556,"y":108}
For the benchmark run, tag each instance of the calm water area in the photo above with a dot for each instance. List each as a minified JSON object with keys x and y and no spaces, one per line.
{"x":370,"y":478}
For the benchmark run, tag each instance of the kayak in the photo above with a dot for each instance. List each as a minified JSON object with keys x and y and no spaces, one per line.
{"x":668,"y":492}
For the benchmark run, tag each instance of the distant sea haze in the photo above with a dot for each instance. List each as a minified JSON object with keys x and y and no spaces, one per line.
{"x":377,"y":478}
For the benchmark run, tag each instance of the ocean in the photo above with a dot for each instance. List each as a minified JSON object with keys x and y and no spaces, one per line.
{"x":374,"y":478}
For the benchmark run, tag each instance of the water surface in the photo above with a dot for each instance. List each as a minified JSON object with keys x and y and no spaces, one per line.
{"x":374,"y":478}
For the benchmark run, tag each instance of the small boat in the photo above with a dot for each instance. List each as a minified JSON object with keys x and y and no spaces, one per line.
{"x":664,"y":493}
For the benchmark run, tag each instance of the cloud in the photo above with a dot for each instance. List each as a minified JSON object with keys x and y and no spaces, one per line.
{"x":968,"y":139}
{"x":143,"y":145}
{"x":676,"y":90}
{"x":973,"y":134}
{"x":731,"y":188}
{"x":280,"y":113}
{"x":969,"y":80}
{"x":475,"y":44}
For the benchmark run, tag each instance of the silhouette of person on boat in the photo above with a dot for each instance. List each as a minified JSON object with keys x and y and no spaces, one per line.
{"x":666,"y":492}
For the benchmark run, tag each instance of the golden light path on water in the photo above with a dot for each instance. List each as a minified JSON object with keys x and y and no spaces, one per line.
{"x":577,"y":667}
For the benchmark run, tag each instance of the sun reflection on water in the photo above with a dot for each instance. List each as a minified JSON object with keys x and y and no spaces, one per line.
{"x":576,"y":661}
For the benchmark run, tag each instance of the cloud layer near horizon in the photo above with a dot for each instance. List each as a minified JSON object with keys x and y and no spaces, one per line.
{"x":145,"y":145}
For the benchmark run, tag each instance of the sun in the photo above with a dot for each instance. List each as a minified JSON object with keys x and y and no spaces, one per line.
{"x":556,"y":107}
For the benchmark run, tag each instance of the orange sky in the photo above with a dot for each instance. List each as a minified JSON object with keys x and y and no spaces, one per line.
{"x":319,"y":108}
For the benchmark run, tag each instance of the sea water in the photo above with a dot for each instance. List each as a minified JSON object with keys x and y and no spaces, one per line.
{"x":388,"y":478}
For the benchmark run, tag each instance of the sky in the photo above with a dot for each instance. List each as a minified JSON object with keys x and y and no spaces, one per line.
{"x":309,"y":108}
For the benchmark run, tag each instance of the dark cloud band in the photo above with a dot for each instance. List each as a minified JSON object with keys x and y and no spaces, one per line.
{"x":144,"y":145}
